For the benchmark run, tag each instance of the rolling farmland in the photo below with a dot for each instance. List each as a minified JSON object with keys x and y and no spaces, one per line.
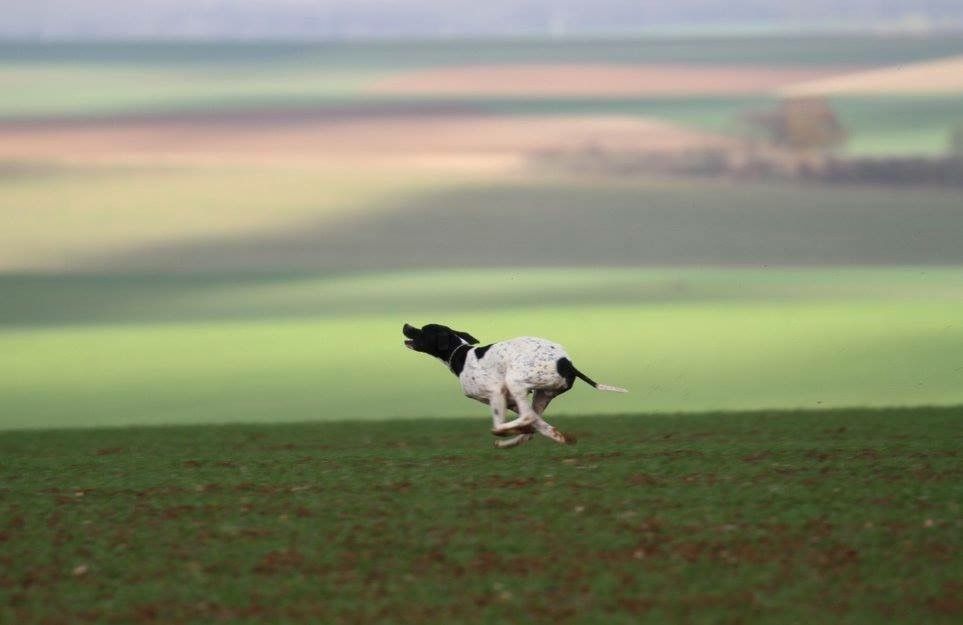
{"x":207,"y":413}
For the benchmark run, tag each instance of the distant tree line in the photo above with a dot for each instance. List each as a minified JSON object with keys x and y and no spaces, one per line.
{"x":797,"y":139}
{"x":752,"y":163}
{"x":938,"y":171}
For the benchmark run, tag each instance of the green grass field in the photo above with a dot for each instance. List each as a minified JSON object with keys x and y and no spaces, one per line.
{"x":123,"y":352}
{"x":900,"y":125}
{"x":845,"y":516}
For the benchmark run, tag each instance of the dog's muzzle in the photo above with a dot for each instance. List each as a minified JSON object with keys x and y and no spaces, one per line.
{"x":411,"y":332}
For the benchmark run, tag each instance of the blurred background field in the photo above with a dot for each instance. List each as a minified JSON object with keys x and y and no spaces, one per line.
{"x":216,"y":232}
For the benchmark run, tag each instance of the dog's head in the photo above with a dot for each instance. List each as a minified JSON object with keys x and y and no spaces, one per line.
{"x":436,"y":340}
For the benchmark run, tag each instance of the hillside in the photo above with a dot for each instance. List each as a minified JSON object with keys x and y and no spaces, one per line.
{"x":941,"y":76}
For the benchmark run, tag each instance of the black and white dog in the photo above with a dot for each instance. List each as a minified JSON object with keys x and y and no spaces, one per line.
{"x":503,"y":374}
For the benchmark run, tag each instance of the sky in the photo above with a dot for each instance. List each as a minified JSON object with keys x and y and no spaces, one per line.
{"x":325,"y":19}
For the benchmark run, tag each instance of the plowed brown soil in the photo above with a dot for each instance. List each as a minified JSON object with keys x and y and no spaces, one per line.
{"x":598,"y":80}
{"x":321,"y":136}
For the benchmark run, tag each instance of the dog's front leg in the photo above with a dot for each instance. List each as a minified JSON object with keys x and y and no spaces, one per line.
{"x":523,"y":424}
{"x":498,"y":404}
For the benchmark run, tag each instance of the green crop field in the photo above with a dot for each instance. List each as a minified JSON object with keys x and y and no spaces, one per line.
{"x":125,"y":351}
{"x":900,"y":125}
{"x":844,"y":516}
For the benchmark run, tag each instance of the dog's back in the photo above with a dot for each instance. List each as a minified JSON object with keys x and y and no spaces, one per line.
{"x":528,"y":360}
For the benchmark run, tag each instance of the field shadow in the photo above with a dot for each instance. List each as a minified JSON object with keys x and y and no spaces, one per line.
{"x":565,"y":225}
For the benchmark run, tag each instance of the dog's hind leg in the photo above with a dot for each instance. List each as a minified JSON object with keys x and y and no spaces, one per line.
{"x":546,"y":429}
{"x":540,"y":402}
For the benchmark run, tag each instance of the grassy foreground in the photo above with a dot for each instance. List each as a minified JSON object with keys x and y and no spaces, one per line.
{"x":843,"y":517}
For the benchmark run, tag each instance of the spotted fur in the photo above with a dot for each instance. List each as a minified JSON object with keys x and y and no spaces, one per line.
{"x":503,"y":375}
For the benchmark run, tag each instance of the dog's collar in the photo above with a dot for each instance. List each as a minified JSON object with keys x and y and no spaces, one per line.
{"x":455,"y":351}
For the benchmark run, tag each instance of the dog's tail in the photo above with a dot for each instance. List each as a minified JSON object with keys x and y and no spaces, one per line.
{"x":565,"y":363}
{"x":609,"y":387}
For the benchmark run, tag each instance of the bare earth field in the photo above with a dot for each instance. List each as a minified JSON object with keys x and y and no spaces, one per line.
{"x":323,"y":135}
{"x":601,"y":80}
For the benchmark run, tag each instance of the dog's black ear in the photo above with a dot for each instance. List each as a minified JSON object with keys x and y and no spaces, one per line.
{"x":468,"y":337}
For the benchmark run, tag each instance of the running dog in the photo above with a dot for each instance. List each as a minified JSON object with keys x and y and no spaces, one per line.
{"x":503,"y":374}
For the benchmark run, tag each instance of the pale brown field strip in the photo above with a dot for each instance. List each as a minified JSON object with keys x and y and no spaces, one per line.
{"x":943,"y":76}
{"x":451,"y":136}
{"x":604,"y":80}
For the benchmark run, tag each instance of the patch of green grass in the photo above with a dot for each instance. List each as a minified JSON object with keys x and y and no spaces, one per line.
{"x":848,"y":516}
{"x":66,"y":89}
{"x":719,"y":114}
{"x":895,"y":125}
{"x":50,"y":300}
{"x":677,"y":342}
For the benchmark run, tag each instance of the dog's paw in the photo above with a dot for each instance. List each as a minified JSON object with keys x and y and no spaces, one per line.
{"x":515,"y":441}
{"x":568,"y":438}
{"x":522,"y":429}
